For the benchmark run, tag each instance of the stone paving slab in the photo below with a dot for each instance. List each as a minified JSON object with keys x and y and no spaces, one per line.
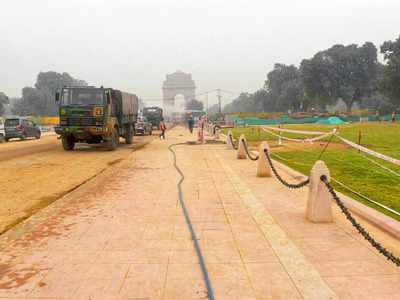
{"x":127,"y":238}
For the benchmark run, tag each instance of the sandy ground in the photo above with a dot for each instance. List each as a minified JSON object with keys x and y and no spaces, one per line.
{"x":34,"y":173}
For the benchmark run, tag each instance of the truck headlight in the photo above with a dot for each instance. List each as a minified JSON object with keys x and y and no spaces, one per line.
{"x":98,"y":111}
{"x":63,"y":121}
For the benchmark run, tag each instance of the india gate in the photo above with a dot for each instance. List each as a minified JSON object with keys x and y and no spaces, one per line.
{"x":178,"y":83}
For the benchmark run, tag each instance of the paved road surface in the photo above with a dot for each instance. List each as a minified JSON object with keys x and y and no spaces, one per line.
{"x":124,"y":236}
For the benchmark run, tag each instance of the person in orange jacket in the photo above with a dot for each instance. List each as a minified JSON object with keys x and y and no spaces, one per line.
{"x":162,"y":129}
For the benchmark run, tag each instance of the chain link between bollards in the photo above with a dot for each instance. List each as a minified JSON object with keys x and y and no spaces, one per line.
{"x":289,"y":185}
{"x":359,"y":228}
{"x":248,"y":152}
{"x":232,"y":143}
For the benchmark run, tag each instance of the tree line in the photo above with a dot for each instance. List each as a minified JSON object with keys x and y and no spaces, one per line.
{"x":351,"y":74}
{"x":3,"y":101}
{"x":40,"y":100}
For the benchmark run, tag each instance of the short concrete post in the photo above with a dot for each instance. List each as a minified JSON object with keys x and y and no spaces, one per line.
{"x":263,"y":167}
{"x":319,"y":203}
{"x":229,"y":137}
{"x":241,"y":153}
{"x":217,"y":133}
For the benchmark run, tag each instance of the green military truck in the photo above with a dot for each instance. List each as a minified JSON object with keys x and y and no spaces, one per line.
{"x":154,"y":115}
{"x":95,"y":115}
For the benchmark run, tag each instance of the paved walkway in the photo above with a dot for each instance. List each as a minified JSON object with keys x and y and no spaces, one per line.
{"x":125,"y":237}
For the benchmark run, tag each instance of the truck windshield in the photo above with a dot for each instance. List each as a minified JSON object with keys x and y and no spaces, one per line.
{"x":152,"y":112}
{"x":82,"y":97}
{"x":11,"y":122}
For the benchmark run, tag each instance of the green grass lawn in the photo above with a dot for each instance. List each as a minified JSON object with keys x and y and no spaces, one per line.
{"x":346,"y":164}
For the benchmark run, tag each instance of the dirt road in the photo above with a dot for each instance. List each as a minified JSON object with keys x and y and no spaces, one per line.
{"x":35,"y":173}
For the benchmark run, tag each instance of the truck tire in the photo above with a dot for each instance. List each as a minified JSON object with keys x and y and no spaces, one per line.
{"x":37,"y":136}
{"x":68,"y":142}
{"x":129,"y":135}
{"x":113,"y":142}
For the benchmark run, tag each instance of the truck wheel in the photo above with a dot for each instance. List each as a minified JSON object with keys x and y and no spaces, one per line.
{"x":113,"y":142}
{"x":68,"y":142}
{"x":129,"y":135}
{"x":37,"y":136}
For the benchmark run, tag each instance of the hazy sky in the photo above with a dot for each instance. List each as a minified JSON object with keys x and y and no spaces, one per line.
{"x":131,"y":45}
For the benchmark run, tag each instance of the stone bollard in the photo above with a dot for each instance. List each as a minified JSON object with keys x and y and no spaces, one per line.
{"x":241,"y":153}
{"x":319,"y":203}
{"x":263,"y":167}
{"x":217,"y":133}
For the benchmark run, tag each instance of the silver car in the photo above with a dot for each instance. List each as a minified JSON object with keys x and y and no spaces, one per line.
{"x":143,"y":126}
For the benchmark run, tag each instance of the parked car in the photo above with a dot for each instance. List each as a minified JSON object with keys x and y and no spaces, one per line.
{"x":20,"y":128}
{"x":143,"y":126}
{"x":2,"y":132}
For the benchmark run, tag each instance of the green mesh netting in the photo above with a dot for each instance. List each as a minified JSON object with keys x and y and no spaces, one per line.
{"x":331,"y":120}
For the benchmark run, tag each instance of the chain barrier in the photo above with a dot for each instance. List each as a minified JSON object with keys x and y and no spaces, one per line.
{"x":289,"y":185}
{"x":232,"y":143}
{"x":248,"y":152}
{"x":359,"y":228}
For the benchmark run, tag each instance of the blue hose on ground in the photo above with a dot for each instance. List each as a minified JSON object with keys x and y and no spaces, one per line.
{"x":203,"y":266}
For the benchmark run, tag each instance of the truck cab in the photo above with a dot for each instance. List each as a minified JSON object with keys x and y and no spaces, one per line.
{"x":154,"y":115}
{"x":95,"y":115}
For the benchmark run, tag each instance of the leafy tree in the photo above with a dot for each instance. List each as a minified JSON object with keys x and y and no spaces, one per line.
{"x":263,"y":101}
{"x":39,"y":101}
{"x":390,"y":82}
{"x":48,"y":82}
{"x":285,"y":86}
{"x":244,"y":103}
{"x":194,"y":105}
{"x":378,"y":102}
{"x":3,"y":100}
{"x":340,"y":72}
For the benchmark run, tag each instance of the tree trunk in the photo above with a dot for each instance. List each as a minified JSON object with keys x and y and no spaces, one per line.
{"x":348,"y":107}
{"x":349,"y":103}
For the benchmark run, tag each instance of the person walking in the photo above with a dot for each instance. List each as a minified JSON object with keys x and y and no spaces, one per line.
{"x":162,"y":128}
{"x":393,"y":116}
{"x":191,"y":123}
